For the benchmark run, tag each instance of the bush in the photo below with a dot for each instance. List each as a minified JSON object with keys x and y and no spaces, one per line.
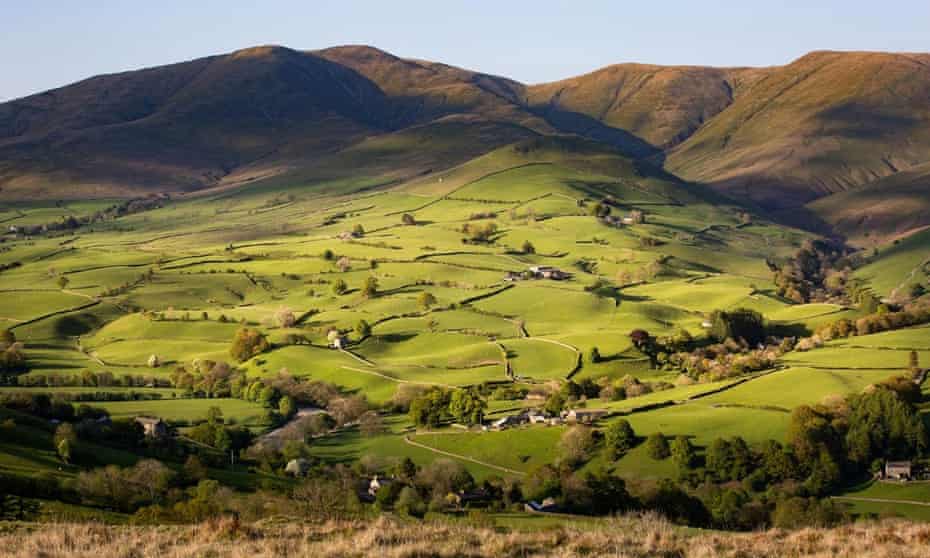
{"x":247,"y":343}
{"x":741,"y":323}
{"x":657,"y":446}
{"x":619,"y":438}
{"x":576,"y":445}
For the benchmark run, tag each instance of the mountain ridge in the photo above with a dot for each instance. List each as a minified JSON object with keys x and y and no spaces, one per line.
{"x":778,"y":137}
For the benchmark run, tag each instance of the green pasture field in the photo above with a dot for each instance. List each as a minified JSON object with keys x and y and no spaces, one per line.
{"x":916,"y":512}
{"x":22,"y":305}
{"x":248,"y":254}
{"x":899,"y":494}
{"x":918,"y":491}
{"x":797,"y":385}
{"x":899,"y":265}
{"x":846,"y":357}
{"x":913,"y":338}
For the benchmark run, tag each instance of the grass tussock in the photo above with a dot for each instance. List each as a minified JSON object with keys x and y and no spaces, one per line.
{"x":627,"y":537}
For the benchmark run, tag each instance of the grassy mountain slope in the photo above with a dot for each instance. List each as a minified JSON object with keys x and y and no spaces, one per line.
{"x":899,"y":265}
{"x":825,"y":123}
{"x":662,"y":105}
{"x":183,"y":126}
{"x":889,"y":207}
{"x":358,"y":117}
{"x":423,"y":91}
{"x":385,"y":159}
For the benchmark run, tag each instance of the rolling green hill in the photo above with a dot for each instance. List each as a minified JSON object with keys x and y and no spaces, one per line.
{"x":448,"y":309}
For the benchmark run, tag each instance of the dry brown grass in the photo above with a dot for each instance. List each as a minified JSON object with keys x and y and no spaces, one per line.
{"x":632,"y":536}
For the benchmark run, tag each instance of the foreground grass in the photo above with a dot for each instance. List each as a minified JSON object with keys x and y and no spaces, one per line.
{"x":630,"y":536}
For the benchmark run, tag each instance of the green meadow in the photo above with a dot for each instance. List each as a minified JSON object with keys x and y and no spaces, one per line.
{"x":177,"y":282}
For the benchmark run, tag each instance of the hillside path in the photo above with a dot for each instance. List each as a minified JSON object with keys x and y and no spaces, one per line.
{"x":463,"y":457}
{"x":393,"y":379}
{"x":880,"y":500}
{"x":910,"y":276}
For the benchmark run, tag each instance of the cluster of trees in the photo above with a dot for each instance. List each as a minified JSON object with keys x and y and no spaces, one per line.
{"x":648,"y":272}
{"x":726,"y":360}
{"x":248,"y":343}
{"x":742,"y":324}
{"x":478,"y":232}
{"x":732,"y":485}
{"x":70,"y":222}
{"x":206,"y":378}
{"x":154,"y":491}
{"x":599,"y":210}
{"x":819,"y":271}
{"x":437,"y":405}
{"x":75,"y":426}
{"x":215,"y":433}
{"x":12,"y":357}
{"x":571,"y":393}
{"x":438,"y":487}
{"x":88,"y":378}
{"x":426,"y":300}
{"x":590,"y":493}
{"x":883,"y":320}
{"x":370,"y":287}
{"x":11,"y":265}
{"x":855,"y":435}
{"x":740,"y":347}
{"x":39,"y":405}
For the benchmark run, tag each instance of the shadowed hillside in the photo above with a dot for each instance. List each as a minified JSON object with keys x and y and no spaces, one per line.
{"x":827,"y":122}
{"x":893,"y":206}
{"x":422,"y":91}
{"x":183,"y":126}
{"x":661,"y":105}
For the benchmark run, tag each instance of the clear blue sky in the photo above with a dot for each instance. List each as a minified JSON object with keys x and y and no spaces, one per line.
{"x":45,"y":43}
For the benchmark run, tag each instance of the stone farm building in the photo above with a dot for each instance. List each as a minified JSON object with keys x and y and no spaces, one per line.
{"x":537,"y":272}
{"x":548,"y":272}
{"x":898,"y":470}
{"x":153,"y":427}
{"x":376,"y":484}
{"x":585,"y":415}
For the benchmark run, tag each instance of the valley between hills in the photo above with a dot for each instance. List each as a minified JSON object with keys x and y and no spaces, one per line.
{"x":340,"y":284}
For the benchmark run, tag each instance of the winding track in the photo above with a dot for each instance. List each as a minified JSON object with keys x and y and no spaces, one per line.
{"x":463,"y":457}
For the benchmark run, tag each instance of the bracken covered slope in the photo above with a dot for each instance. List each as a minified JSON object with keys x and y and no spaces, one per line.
{"x":890,"y":207}
{"x":632,"y":537}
